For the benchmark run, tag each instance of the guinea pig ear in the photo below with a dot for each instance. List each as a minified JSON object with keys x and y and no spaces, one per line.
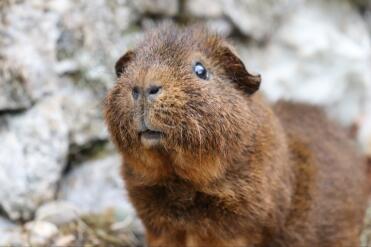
{"x":122,"y":62}
{"x":237,"y":73}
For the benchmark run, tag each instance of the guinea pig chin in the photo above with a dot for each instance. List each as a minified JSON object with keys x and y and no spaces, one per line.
{"x":149,"y":136}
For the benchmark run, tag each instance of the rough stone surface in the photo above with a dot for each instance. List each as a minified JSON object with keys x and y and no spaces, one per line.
{"x":220,"y":25}
{"x":28,"y":37}
{"x":12,"y":236}
{"x":204,"y":8}
{"x":157,"y":7}
{"x":330,"y":70}
{"x":5,"y":224}
{"x":32,"y":156}
{"x":93,"y":35}
{"x":10,"y":233}
{"x":82,"y":110}
{"x":258,"y":19}
{"x":57,"y":213}
{"x":64,"y":241}
{"x":40,"y":233}
{"x":13,"y":95}
{"x":96,"y":186}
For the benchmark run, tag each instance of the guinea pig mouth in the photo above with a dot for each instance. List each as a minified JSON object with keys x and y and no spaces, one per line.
{"x":151,"y":134}
{"x":150,"y":138}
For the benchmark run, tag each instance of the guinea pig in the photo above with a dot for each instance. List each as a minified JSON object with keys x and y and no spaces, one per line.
{"x":207,"y":162}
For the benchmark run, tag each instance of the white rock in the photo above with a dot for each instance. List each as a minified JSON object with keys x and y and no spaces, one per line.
{"x":204,"y":8}
{"x":32,"y":157}
{"x":13,"y":95}
{"x":368,"y":18}
{"x":94,"y":34}
{"x":40,"y":233}
{"x":159,"y":7}
{"x":96,"y":186}
{"x":57,"y":213}
{"x":220,"y":26}
{"x":257,"y":18}
{"x":13,"y":237}
{"x":6,"y":224}
{"x":29,"y":45}
{"x":64,"y":241}
{"x":320,"y":55}
{"x":82,"y":109}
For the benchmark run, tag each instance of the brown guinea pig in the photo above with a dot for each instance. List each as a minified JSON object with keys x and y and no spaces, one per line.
{"x":208,"y":163}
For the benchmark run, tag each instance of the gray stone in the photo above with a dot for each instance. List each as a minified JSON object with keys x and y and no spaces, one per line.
{"x":28,"y":46}
{"x":82,"y":109}
{"x":204,"y":8}
{"x":368,"y":19}
{"x":94,"y":34}
{"x":6,"y":224}
{"x":331,"y":69}
{"x":12,"y":237}
{"x":96,"y":186}
{"x":32,"y":156}
{"x":158,"y":7}
{"x":65,"y":241}
{"x":40,"y":233}
{"x":57,"y":213}
{"x":36,"y":37}
{"x":256,"y":18}
{"x":13,"y":95}
{"x":220,"y":26}
{"x":10,"y":233}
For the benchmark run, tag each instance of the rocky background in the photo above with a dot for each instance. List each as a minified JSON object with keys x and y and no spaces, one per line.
{"x":59,"y":179}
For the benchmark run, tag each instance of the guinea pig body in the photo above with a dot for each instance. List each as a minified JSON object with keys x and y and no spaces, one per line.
{"x":207,"y":162}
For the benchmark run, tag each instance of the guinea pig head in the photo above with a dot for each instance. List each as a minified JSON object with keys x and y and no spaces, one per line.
{"x":181,"y":90}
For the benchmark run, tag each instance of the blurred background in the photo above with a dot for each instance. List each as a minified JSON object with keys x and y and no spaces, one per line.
{"x":59,"y":173}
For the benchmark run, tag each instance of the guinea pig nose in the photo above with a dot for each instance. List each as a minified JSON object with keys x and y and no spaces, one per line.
{"x":153,"y":91}
{"x":135,"y":92}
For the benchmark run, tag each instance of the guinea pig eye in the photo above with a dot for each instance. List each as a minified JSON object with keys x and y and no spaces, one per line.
{"x":200,"y":71}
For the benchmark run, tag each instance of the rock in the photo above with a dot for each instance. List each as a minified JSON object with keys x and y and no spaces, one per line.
{"x":13,"y":94}
{"x":367,"y":17}
{"x":40,"y":233}
{"x":28,"y":37}
{"x":64,"y":241}
{"x":32,"y":157}
{"x":220,"y":26}
{"x":96,"y":186}
{"x":57,"y":213}
{"x":94,"y":34}
{"x":6,"y":224}
{"x":331,"y":69}
{"x":83,"y":113}
{"x":204,"y":8}
{"x":362,"y":4}
{"x":13,"y":237}
{"x":10,"y":233}
{"x":36,"y":37}
{"x":256,"y":18}
{"x":157,"y":7}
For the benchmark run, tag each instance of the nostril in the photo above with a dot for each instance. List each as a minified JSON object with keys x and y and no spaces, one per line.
{"x":135,"y":92}
{"x":152,"y":90}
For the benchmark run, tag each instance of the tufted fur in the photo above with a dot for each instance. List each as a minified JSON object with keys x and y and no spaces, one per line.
{"x":229,"y":171}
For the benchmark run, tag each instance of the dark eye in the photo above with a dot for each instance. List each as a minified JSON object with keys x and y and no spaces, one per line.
{"x":200,"y":71}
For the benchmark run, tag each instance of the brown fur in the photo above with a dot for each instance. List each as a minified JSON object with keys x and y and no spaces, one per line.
{"x":230,"y":171}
